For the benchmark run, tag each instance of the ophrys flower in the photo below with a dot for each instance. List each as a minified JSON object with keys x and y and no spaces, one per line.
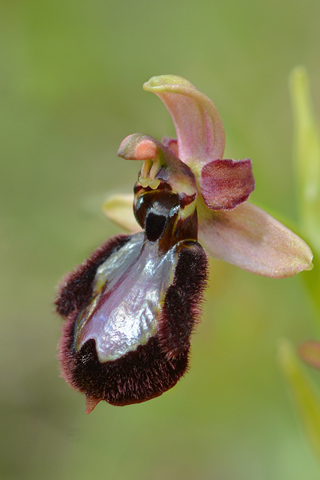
{"x":132,"y":306}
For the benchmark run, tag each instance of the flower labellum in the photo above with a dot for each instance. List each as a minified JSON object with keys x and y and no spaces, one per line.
{"x":131,"y":307}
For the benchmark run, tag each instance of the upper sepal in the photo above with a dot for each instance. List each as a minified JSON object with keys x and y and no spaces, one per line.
{"x":196,"y":119}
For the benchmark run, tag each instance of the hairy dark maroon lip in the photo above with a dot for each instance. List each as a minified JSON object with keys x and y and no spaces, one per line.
{"x":109,"y":351}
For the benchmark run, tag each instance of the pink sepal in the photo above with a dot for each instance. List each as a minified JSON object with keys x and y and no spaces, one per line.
{"x":250,"y":238}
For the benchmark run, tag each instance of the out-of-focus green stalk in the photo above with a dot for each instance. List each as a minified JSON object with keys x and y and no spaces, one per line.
{"x":307,"y":156}
{"x":307,"y":168}
{"x":304,"y":394}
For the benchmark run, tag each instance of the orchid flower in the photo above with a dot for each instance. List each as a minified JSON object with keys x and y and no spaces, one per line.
{"x":131,"y":307}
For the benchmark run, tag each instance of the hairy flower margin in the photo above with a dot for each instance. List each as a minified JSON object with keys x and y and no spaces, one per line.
{"x":131,"y":308}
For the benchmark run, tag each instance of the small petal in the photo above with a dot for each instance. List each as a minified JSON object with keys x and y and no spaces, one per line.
{"x":196,"y":119}
{"x":226,"y":183}
{"x":253,"y":240}
{"x":118,"y":208}
{"x":310,"y":353}
{"x":172,"y":144}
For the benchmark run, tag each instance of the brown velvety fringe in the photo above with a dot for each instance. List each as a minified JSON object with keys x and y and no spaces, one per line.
{"x":152,"y":368}
{"x":182,"y":307}
{"x":76,"y":288}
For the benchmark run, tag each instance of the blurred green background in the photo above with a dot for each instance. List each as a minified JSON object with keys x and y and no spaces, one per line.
{"x":71,"y":75}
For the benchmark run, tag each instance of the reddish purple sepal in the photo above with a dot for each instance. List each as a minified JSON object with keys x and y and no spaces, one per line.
{"x":226,"y":183}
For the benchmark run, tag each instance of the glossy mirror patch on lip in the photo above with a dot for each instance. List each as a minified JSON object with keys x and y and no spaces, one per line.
{"x":126,"y":310}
